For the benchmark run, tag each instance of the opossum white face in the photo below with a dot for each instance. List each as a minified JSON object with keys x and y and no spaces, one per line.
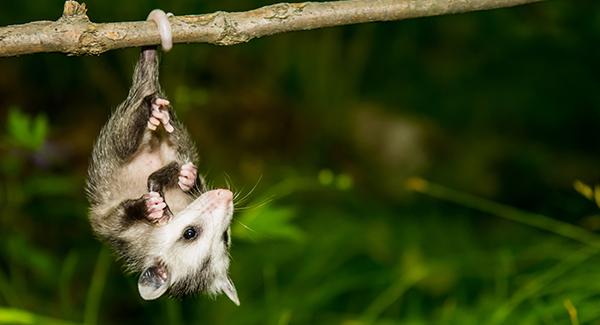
{"x":192,"y":250}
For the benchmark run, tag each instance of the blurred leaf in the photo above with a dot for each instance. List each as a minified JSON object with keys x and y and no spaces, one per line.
{"x":501,"y":210}
{"x":187,"y":98}
{"x":344,"y":182}
{"x":20,"y":316}
{"x":52,"y":185}
{"x":39,"y":131}
{"x":411,"y":270}
{"x":267,"y":222}
{"x":18,"y":126}
{"x":572,"y":311}
{"x":39,"y":260}
{"x":64,"y":280}
{"x":6,"y":290}
{"x":96,"y":289}
{"x":325,"y":177}
{"x":11,"y":164}
{"x":583,"y":189}
{"x":25,"y":131}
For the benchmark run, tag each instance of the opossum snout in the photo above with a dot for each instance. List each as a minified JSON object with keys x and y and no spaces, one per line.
{"x":221,"y":200}
{"x":215,"y":207}
{"x":222,"y":195}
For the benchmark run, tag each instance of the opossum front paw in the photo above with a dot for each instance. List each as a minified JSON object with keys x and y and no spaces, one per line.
{"x":160,"y":115}
{"x":155,"y":207}
{"x":187,"y":176}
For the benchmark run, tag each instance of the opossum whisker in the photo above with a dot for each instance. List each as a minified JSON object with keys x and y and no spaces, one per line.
{"x":257,"y":205}
{"x":242,"y":200}
{"x":245,"y":226}
{"x":209,"y":185}
{"x":229,"y":183}
{"x":196,"y":192}
{"x":237,"y":195}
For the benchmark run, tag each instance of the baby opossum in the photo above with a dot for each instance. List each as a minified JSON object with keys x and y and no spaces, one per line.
{"x":147,"y":200}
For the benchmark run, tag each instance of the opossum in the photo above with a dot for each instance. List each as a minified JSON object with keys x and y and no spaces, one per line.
{"x":148,"y":201}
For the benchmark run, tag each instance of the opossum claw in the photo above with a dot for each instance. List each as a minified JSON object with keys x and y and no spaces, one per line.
{"x":155,"y":207}
{"x":187,"y":176}
{"x":160,"y":114}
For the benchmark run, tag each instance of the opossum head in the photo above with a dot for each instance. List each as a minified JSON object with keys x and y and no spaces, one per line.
{"x":192,"y":251}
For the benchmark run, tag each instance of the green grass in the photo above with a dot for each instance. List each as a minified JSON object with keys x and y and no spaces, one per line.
{"x":543,"y":279}
{"x":501,"y":103}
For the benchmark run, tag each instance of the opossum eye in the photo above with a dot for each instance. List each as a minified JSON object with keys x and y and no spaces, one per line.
{"x":190,"y":233}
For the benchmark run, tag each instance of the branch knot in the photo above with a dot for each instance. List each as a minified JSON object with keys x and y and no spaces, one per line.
{"x":74,"y":9}
{"x":284,"y":10}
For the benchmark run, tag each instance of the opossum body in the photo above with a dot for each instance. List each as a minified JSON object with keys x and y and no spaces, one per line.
{"x":148,"y":202}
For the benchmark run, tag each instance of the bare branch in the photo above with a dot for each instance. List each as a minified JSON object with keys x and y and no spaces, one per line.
{"x":75,"y":34}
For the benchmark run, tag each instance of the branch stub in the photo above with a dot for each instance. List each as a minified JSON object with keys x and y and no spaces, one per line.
{"x":74,"y":9}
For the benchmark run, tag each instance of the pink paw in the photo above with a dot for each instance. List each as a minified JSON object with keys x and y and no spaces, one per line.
{"x":160,"y":115}
{"x":155,"y":207}
{"x":187,"y":176}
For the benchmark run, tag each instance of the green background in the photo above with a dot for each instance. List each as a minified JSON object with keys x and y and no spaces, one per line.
{"x":319,"y":131}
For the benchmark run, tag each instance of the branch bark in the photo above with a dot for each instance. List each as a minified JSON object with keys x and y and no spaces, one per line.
{"x":75,"y":34}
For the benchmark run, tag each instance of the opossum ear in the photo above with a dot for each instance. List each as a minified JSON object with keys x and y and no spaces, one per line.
{"x":153,"y":282}
{"x":229,"y":289}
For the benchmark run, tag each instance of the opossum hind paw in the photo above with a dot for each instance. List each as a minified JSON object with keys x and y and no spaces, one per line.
{"x":160,"y":115}
{"x":187,"y":176}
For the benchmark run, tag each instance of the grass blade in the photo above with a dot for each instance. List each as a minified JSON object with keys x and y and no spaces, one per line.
{"x":92,"y":304}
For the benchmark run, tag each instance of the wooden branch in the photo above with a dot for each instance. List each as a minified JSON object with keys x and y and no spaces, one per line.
{"x":75,"y":34}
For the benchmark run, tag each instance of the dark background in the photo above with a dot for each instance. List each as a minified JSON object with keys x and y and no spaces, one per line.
{"x":322,"y":129}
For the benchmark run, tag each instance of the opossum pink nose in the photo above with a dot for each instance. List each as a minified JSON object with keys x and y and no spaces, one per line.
{"x":221,"y":196}
{"x":225,"y":195}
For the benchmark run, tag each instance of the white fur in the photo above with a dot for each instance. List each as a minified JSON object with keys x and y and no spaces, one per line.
{"x":153,"y":153}
{"x":212,"y":213}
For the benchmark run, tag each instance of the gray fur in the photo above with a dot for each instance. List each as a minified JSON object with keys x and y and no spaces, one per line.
{"x":118,"y":141}
{"x":125,"y":155}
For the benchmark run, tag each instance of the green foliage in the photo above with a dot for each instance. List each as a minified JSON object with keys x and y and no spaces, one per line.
{"x":267,"y":222}
{"x":17,"y":316}
{"x":24,"y":131}
{"x":503,"y":105}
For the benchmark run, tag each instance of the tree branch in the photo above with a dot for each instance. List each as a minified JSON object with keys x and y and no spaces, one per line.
{"x":75,"y":34}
